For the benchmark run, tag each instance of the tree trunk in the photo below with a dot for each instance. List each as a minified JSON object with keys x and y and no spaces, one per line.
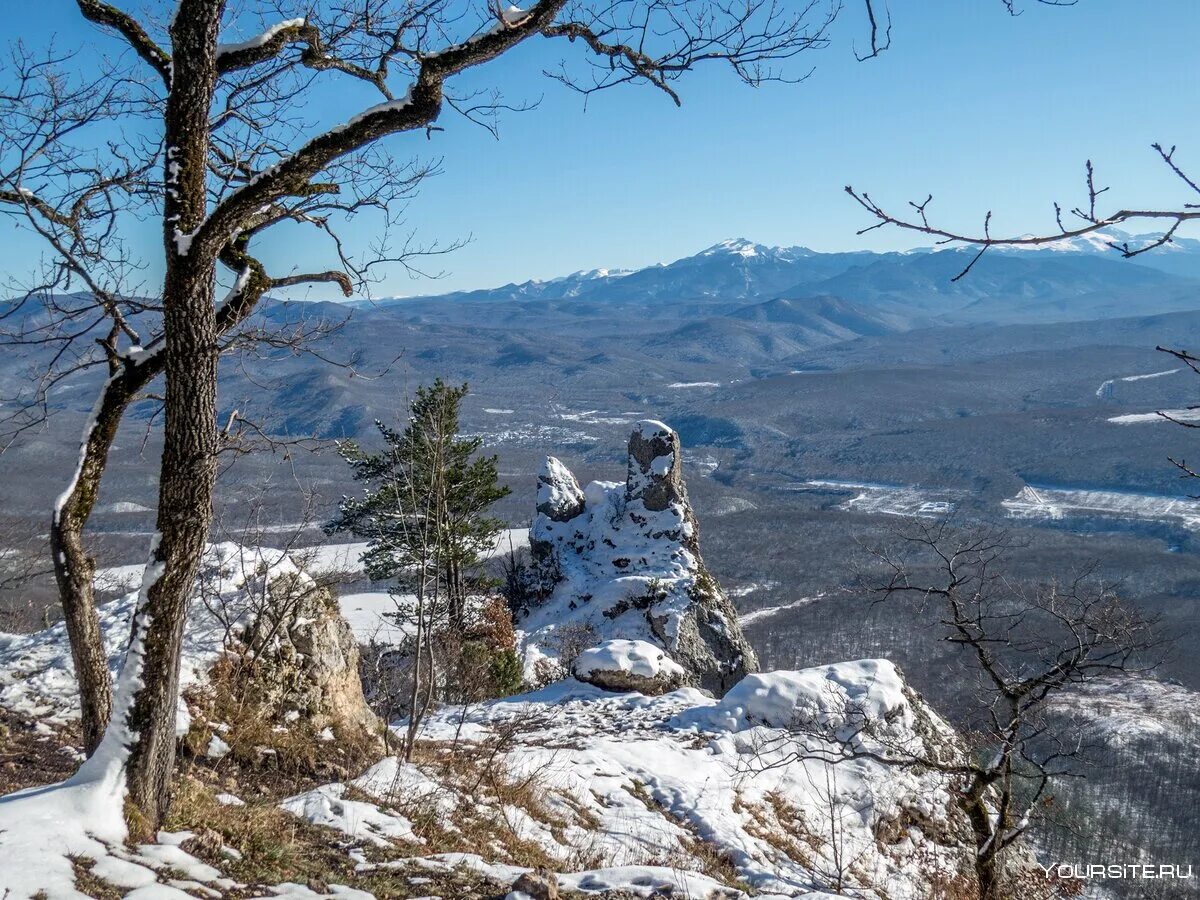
{"x":987,"y":857}
{"x":74,"y":569}
{"x":190,"y":436}
{"x":184,"y":512}
{"x":410,"y":739}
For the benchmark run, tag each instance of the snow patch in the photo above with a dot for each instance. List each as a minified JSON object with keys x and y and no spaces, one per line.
{"x":259,"y":40}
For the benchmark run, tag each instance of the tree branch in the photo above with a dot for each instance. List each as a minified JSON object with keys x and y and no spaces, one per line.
{"x":108,"y":16}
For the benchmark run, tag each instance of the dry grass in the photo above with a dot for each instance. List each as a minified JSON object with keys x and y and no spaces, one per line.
{"x":30,"y":758}
{"x":484,"y":789}
{"x":88,"y":883}
{"x":783,"y":828}
{"x":274,"y":845}
{"x":285,"y":758}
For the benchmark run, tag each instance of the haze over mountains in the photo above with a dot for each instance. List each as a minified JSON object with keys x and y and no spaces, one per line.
{"x":852,"y":362}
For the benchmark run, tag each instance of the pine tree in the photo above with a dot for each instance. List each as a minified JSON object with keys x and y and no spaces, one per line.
{"x":424,"y":513}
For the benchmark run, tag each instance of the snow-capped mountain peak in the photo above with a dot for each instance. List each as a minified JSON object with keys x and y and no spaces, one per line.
{"x":736,"y":247}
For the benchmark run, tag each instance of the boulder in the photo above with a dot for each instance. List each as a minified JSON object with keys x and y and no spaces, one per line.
{"x":536,"y":884}
{"x":621,"y":665}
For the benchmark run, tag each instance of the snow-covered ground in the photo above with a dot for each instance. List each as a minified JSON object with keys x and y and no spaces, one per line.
{"x":1106,"y":386}
{"x":769,"y":612}
{"x":377,"y":616}
{"x":1149,"y":418}
{"x":1059,"y":503}
{"x":682,"y":792}
{"x":43,"y":830}
{"x":36,"y":674}
{"x":598,"y":417}
{"x":318,"y":559}
{"x":1122,"y":710}
{"x":887,"y":499}
{"x":535,"y":436}
{"x":637,"y":781}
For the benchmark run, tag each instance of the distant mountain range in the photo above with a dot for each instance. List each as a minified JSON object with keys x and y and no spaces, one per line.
{"x":1080,"y":278}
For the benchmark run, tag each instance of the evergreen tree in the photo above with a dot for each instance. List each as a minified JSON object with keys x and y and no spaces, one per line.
{"x":424,"y":513}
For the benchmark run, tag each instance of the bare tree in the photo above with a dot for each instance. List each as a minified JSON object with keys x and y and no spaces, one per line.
{"x":835,"y":813}
{"x":1026,"y":650}
{"x":1086,"y":218}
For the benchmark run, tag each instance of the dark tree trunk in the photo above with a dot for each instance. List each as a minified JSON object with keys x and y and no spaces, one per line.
{"x":184,"y":511}
{"x":987,"y":857}
{"x":190,"y":437}
{"x":74,"y":569}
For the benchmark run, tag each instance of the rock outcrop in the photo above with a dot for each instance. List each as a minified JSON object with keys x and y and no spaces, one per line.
{"x":622,"y":561}
{"x":248,"y":601}
{"x":308,"y":658}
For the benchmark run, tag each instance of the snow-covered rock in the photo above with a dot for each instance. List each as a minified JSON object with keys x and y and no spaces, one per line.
{"x":256,"y":598}
{"x":630,"y":782}
{"x":622,"y":561}
{"x":621,"y":665}
{"x":832,"y":696}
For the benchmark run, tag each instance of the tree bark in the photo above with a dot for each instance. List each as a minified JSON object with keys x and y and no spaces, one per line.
{"x":987,"y":859}
{"x":74,"y":569}
{"x":190,"y":437}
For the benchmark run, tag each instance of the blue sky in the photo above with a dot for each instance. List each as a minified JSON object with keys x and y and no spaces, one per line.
{"x":982,"y":109}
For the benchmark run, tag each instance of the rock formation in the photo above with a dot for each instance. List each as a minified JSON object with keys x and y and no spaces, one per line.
{"x":308,"y":657}
{"x":622,"y":561}
{"x":248,"y":600}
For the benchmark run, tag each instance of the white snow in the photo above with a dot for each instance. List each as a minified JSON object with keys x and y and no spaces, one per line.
{"x":1124,"y":710}
{"x":217,"y":748}
{"x":611,"y":554}
{"x":259,"y":40}
{"x":595,"y":417}
{"x":317,"y":559}
{"x":887,"y":499}
{"x":83,"y":815}
{"x":631,"y":782}
{"x":635,"y":780}
{"x":358,"y":819}
{"x":632,"y":657}
{"x":694,"y":384}
{"x":735,"y":247}
{"x":1059,"y":503}
{"x":125,"y":506}
{"x":823,"y":696}
{"x":770,"y":612}
{"x":384,"y":107}
{"x":36,"y":672}
{"x":1166,"y":415}
{"x":378,"y":617}
{"x":1100,"y":390}
{"x":88,"y":427}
